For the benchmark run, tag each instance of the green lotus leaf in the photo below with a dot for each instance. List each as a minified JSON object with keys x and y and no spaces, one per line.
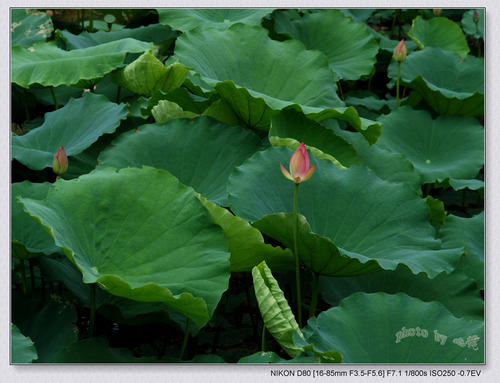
{"x":439,"y":32}
{"x":22,"y":347}
{"x":384,"y":328}
{"x":190,"y":150}
{"x":25,"y":230}
{"x":187,"y":19}
{"x":456,"y":291}
{"x":318,"y":253}
{"x":470,"y":26}
{"x":51,"y":326}
{"x":358,"y":14}
{"x":291,"y":124}
{"x":387,"y":165}
{"x":473,"y":184}
{"x":261,"y":76}
{"x":467,"y":233}
{"x":29,"y":26}
{"x":246,"y":243}
{"x":75,"y":126}
{"x":388,"y":45}
{"x":45,"y":64}
{"x":276,"y":313}
{"x":351,"y":49}
{"x":147,"y":75}
{"x":445,"y":147}
{"x":168,"y":110}
{"x":363,"y":215}
{"x":139,"y":234}
{"x":156,"y":33}
{"x":448,"y":85}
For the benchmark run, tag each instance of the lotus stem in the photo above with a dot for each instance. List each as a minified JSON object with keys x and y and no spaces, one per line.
{"x":340,"y":90}
{"x":56,"y":105}
{"x":263,"y":340}
{"x":296,"y":250}
{"x":397,"y":84}
{"x":314,"y":299}
{"x":92,"y":310}
{"x":186,"y":337}
{"x":91,"y":21}
{"x":32,"y":276}
{"x":23,"y":276}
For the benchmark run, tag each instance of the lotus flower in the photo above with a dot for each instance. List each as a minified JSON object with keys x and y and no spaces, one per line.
{"x":299,"y":166}
{"x":60,"y":163}
{"x":400,"y":51}
{"x":475,"y":16}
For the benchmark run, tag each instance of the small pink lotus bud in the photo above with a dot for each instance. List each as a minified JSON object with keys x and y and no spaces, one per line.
{"x":60,"y":163}
{"x":475,"y":16}
{"x":400,"y":51}
{"x":299,"y":166}
{"x":437,"y":11}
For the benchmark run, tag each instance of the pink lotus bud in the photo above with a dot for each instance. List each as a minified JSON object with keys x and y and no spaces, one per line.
{"x":475,"y":16}
{"x":299,"y":166}
{"x":437,"y":11}
{"x":400,"y":51}
{"x":60,"y":163}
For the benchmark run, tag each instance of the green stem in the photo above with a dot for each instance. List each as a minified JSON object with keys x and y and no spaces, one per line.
{"x":32,"y":276}
{"x":263,"y":340}
{"x":186,"y":337}
{"x":296,"y":250}
{"x":340,"y":90}
{"x":91,"y":22}
{"x":314,"y":299}
{"x":397,"y":84}
{"x":56,"y":105}
{"x":23,"y":276}
{"x":92,"y":310}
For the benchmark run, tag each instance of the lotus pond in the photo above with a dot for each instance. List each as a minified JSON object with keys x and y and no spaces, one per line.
{"x":152,"y":221}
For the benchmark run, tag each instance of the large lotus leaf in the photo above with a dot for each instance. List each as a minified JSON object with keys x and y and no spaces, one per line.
{"x":246,"y":243}
{"x":470,"y":27}
{"x":25,"y":230}
{"x":467,"y":233}
{"x":456,"y":291}
{"x":387,"y":165}
{"x":363,"y":215}
{"x":29,"y":26}
{"x":52,"y":326}
{"x":156,"y":33}
{"x":445,"y":147}
{"x":291,"y":124}
{"x":201,"y":153}
{"x":351,"y":49}
{"x":187,"y":19}
{"x":23,"y":349}
{"x":466,"y":184}
{"x":139,"y":234}
{"x":276,"y":313}
{"x":257,"y":76}
{"x":438,"y":32}
{"x":45,"y":64}
{"x":148,"y":75}
{"x":63,"y":94}
{"x":449,"y":85}
{"x":75,"y":126}
{"x":384,"y":328}
{"x":358,"y":14}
